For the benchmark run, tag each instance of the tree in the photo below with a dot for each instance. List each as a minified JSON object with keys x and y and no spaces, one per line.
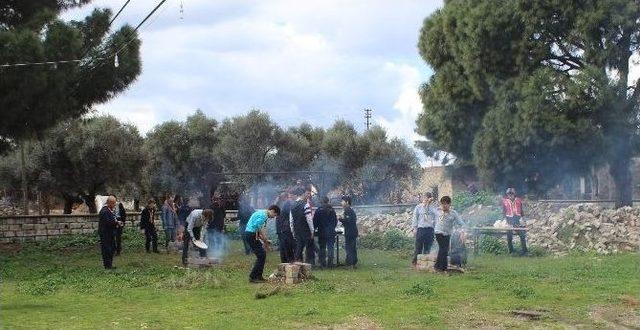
{"x":87,"y":157}
{"x":524,"y":87}
{"x":249,"y":142}
{"x":183,"y":156}
{"x":37,"y":97}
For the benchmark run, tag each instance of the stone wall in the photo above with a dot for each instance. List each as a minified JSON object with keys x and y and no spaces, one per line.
{"x":21,"y":228}
{"x":42,"y":227}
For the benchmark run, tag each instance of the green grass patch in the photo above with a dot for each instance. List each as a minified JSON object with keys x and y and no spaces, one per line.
{"x":66,"y":288}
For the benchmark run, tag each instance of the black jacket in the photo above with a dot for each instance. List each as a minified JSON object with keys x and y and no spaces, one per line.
{"x":325,"y":221}
{"x":107,"y":224}
{"x":123,"y":214}
{"x":349,"y":223}
{"x":283,"y":225}
{"x":146,"y":219}
{"x":217,"y":223}
{"x":300,"y":226}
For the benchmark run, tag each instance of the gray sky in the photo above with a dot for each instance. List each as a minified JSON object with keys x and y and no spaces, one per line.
{"x":313,"y":61}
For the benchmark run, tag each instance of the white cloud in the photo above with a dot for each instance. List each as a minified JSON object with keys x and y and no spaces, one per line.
{"x":313,"y":61}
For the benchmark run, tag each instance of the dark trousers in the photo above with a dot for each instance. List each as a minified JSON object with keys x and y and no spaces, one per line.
{"x":261,"y":255}
{"x":424,"y":240}
{"x":118,"y":240}
{"x":106,"y":248}
{"x":515,"y":222}
{"x":169,"y":235}
{"x":443,"y":251}
{"x":307,"y":246}
{"x":151,"y":239}
{"x":325,"y":253}
{"x":351,"y":250}
{"x":286,"y":246}
{"x":186,"y":242}
{"x":241,"y":228}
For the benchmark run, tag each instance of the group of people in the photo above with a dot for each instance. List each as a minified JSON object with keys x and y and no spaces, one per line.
{"x":303,"y":231}
{"x":297,"y":227}
{"x":438,"y":220}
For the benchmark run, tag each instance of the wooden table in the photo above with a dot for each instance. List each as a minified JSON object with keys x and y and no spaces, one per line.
{"x":477,"y":233}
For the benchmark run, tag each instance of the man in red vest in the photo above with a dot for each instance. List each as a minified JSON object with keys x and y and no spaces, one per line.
{"x":512,"y":211}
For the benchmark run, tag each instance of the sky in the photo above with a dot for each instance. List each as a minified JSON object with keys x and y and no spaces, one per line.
{"x":300,"y":61}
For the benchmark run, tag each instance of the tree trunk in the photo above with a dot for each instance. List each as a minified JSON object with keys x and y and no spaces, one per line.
{"x":90,"y":200}
{"x":68,"y":203}
{"x":23,"y":179}
{"x":621,"y":174}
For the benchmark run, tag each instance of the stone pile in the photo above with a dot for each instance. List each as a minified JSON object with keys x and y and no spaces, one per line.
{"x":552,"y":227}
{"x":292,"y":273}
{"x":6,"y":209}
{"x":384,"y":222}
{"x":585,"y":227}
{"x":425,"y":262}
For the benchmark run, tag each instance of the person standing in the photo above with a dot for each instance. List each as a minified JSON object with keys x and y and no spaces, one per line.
{"x":349,"y":221}
{"x":512,"y":211}
{"x":255,"y":236}
{"x":147,"y":224}
{"x":121,"y":216}
{"x":286,"y":242}
{"x":169,"y":220}
{"x":447,"y":219}
{"x":106,"y":228}
{"x":424,"y":219}
{"x":182,"y":211}
{"x":196,"y":230}
{"x":325,"y":221}
{"x":302,"y":224}
{"x":215,"y":228}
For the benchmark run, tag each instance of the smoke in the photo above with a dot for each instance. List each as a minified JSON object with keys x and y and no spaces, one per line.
{"x":218,"y":245}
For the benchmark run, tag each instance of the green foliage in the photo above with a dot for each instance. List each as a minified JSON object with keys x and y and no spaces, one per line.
{"x":465,"y":199}
{"x":493,"y":245}
{"x":43,"y":96}
{"x":523,"y":88}
{"x":183,"y":156}
{"x":391,"y":240}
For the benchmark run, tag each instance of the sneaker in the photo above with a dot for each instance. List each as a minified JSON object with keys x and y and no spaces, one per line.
{"x":258,"y":280}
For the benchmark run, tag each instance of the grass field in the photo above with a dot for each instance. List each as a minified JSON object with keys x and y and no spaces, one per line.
{"x":65,"y":288}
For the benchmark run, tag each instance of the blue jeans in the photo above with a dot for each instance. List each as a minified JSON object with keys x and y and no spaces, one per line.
{"x":325,"y":253}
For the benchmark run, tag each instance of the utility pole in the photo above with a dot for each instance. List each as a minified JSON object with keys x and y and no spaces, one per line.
{"x":367,"y":117}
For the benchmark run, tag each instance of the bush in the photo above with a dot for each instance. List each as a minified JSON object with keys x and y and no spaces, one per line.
{"x":465,"y":199}
{"x":392,"y":240}
{"x":493,"y":245}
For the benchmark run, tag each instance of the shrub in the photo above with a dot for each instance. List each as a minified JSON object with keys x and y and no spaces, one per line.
{"x":493,"y":245}
{"x":466,"y":199}
{"x":393,"y":239}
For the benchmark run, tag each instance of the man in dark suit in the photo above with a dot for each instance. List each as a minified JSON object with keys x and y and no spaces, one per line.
{"x":325,"y":221}
{"x":302,"y":221}
{"x":106,"y":228}
{"x":286,"y":243}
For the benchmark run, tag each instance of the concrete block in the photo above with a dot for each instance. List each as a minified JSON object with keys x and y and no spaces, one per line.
{"x":76,"y":231}
{"x":291,"y":280}
{"x":14,"y":227}
{"x":53,"y":232}
{"x":9,"y":234}
{"x":41,"y":238}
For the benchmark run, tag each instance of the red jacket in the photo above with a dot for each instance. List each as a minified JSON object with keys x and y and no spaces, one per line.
{"x":512,"y":208}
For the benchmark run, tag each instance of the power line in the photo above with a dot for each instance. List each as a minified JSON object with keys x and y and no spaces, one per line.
{"x":367,"y":117}
{"x":84,"y":53}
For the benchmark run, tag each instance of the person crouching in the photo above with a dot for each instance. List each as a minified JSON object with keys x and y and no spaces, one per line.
{"x":196,"y":222}
{"x":255,"y":237}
